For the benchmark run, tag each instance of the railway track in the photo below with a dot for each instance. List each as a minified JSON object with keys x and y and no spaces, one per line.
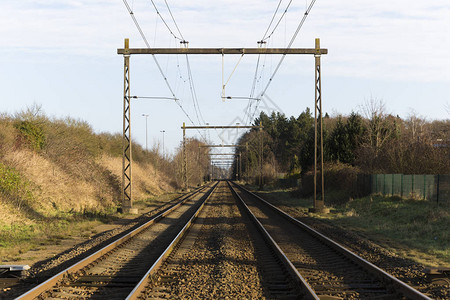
{"x":113,"y":271}
{"x":329,"y":269}
{"x":10,"y":288}
{"x":229,"y":244}
{"x":224,"y":255}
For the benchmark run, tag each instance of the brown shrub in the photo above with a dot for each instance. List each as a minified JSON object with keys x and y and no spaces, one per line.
{"x":340,"y":182}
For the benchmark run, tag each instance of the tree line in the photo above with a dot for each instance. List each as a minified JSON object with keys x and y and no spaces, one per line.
{"x":371,"y":141}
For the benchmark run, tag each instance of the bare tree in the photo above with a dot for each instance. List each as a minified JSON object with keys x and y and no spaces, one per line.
{"x":31,"y":113}
{"x":380,"y":126}
{"x":197,"y":160}
{"x":415,"y":125}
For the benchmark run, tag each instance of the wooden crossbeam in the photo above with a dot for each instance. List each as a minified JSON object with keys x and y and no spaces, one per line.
{"x":220,"y":127}
{"x":219,"y":51}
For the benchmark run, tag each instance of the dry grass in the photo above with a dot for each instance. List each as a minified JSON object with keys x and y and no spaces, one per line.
{"x":62,"y":202}
{"x":67,"y":184}
{"x":146,"y":181}
{"x":10,"y":215}
{"x":56,"y":190}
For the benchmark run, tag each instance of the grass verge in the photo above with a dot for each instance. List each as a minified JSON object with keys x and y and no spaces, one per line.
{"x":414,"y":229}
{"x":19,"y":238}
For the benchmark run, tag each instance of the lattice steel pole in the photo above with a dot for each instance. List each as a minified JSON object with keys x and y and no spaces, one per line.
{"x":260,"y":157}
{"x":211,"y":170}
{"x":318,"y":132}
{"x":236,"y":164}
{"x":184,"y":158}
{"x":126,"y":139}
{"x":240,"y":166}
{"x":247,"y":163}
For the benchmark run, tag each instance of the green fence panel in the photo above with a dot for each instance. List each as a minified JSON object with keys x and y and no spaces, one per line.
{"x":418,"y":192}
{"x":380,"y":183}
{"x":429,"y":187}
{"x":387,"y":186}
{"x":444,"y":189}
{"x":407,"y":185}
{"x":423,"y":187}
{"x":397,"y":184}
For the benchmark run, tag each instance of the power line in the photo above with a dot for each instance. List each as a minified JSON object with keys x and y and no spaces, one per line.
{"x":190,"y":77}
{"x":278,"y":23}
{"x":176,"y":25}
{"x":252,"y":91}
{"x":273,"y":17}
{"x":130,"y":11}
{"x":193,"y":92}
{"x":284,"y":54}
{"x":256,"y":80}
{"x":165,"y":23}
{"x":261,"y":43}
{"x":148,"y":46}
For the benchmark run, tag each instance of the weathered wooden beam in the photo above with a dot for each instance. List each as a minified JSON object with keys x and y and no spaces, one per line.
{"x":219,"y":127}
{"x":221,"y":51}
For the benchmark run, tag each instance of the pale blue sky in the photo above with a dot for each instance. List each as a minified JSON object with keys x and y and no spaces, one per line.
{"x":62,"y":55}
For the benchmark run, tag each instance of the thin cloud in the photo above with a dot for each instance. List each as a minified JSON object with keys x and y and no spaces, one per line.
{"x":371,"y":39}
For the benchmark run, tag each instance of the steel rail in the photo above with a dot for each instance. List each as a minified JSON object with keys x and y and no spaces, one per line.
{"x":49,"y":283}
{"x":399,"y":285}
{"x":305,"y":287}
{"x":140,"y":287}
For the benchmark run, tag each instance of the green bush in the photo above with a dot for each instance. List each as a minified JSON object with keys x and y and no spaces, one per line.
{"x":32,"y":133}
{"x":14,"y":187}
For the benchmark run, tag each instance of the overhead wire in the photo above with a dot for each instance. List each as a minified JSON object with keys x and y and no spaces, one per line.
{"x":148,"y":46}
{"x":130,"y":11}
{"x":193,"y":92}
{"x":284,"y":54}
{"x":252,"y":91}
{"x":255,"y":78}
{"x":190,"y":77}
{"x":273,"y":18}
{"x":278,"y":23}
{"x":261,"y":43}
{"x":180,"y":78}
{"x":258,"y":98}
{"x":164,"y":21}
{"x":173,"y":19}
